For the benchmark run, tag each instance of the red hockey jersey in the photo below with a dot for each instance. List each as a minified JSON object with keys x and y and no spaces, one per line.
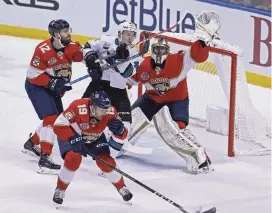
{"x":169,"y":84}
{"x":77,"y":119}
{"x":48,"y":62}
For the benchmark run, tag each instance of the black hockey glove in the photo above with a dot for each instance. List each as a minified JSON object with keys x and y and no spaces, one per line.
{"x":95,"y":74}
{"x":116,"y":126}
{"x":78,"y":144}
{"x":122,"y":52}
{"x":90,"y":59}
{"x":58,"y":86}
{"x":94,"y":68}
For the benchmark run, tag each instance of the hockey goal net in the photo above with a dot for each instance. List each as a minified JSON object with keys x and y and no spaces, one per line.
{"x":221,"y":81}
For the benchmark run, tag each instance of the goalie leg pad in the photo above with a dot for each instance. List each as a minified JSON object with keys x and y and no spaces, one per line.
{"x":138,"y":126}
{"x":143,"y":111}
{"x":182,"y":141}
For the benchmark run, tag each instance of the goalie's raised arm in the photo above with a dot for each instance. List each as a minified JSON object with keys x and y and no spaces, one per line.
{"x":207,"y":27}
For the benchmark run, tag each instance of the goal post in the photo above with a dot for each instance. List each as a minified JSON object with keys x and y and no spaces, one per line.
{"x":221,"y":81}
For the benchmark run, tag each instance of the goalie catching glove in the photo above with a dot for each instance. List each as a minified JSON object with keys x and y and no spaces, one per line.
{"x":207,"y":27}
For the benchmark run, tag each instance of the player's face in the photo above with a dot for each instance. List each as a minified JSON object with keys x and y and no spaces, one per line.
{"x":100,"y":112}
{"x":128,"y":37}
{"x":65,"y":35}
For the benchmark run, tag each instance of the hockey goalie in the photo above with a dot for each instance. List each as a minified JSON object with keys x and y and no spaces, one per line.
{"x":164,"y":77}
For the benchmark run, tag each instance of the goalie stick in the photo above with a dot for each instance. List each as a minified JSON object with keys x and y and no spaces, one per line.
{"x":212,"y":210}
{"x":108,"y":66}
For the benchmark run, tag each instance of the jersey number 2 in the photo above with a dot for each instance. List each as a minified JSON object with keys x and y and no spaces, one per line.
{"x":44,"y":48}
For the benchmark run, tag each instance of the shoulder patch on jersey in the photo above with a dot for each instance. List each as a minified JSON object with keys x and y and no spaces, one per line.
{"x":69,"y":115}
{"x":36,"y":61}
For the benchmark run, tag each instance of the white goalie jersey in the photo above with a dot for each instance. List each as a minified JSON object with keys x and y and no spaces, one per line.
{"x":117,"y":76}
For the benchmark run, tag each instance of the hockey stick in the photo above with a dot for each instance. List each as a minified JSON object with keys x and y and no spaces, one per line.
{"x":138,"y":149}
{"x":148,"y":38}
{"x":108,"y":66}
{"x":161,"y":32}
{"x":105,"y":57}
{"x":212,"y":210}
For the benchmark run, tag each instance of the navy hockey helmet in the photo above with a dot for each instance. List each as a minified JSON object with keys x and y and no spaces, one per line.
{"x":100,"y":99}
{"x":56,"y":25}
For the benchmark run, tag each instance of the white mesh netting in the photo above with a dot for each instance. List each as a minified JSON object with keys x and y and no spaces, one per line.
{"x":209,"y":84}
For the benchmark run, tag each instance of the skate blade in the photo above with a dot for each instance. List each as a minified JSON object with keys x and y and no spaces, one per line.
{"x":56,"y":205}
{"x":27,"y":152}
{"x":43,"y":170}
{"x":205,"y":170}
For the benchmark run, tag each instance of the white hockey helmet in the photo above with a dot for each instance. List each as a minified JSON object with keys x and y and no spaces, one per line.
{"x":160,"y":50}
{"x":124,"y":32}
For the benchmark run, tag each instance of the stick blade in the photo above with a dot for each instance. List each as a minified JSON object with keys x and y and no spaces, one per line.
{"x":212,"y":210}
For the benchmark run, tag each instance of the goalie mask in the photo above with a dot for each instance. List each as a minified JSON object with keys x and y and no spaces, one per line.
{"x":127,"y":33}
{"x":61,"y":31}
{"x":160,"y":50}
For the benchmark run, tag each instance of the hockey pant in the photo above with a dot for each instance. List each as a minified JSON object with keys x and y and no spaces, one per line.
{"x":47,"y":106}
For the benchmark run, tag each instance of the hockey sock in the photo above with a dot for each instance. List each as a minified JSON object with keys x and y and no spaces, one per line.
{"x":35,"y":138}
{"x":47,"y":135}
{"x":72,"y":162}
{"x":114,"y":177}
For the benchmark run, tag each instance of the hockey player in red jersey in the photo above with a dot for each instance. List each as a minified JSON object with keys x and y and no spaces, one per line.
{"x":81,"y":127}
{"x":49,"y":70}
{"x":164,"y":77}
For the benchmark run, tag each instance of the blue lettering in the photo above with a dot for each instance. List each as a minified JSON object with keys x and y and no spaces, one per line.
{"x":161,"y":16}
{"x":115,"y":11}
{"x":188,"y":26}
{"x":168,"y":20}
{"x":143,"y":12}
{"x":106,"y":28}
{"x":152,"y":16}
{"x":133,"y":5}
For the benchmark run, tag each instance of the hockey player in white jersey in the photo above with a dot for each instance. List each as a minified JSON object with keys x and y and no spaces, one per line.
{"x":113,"y":81}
